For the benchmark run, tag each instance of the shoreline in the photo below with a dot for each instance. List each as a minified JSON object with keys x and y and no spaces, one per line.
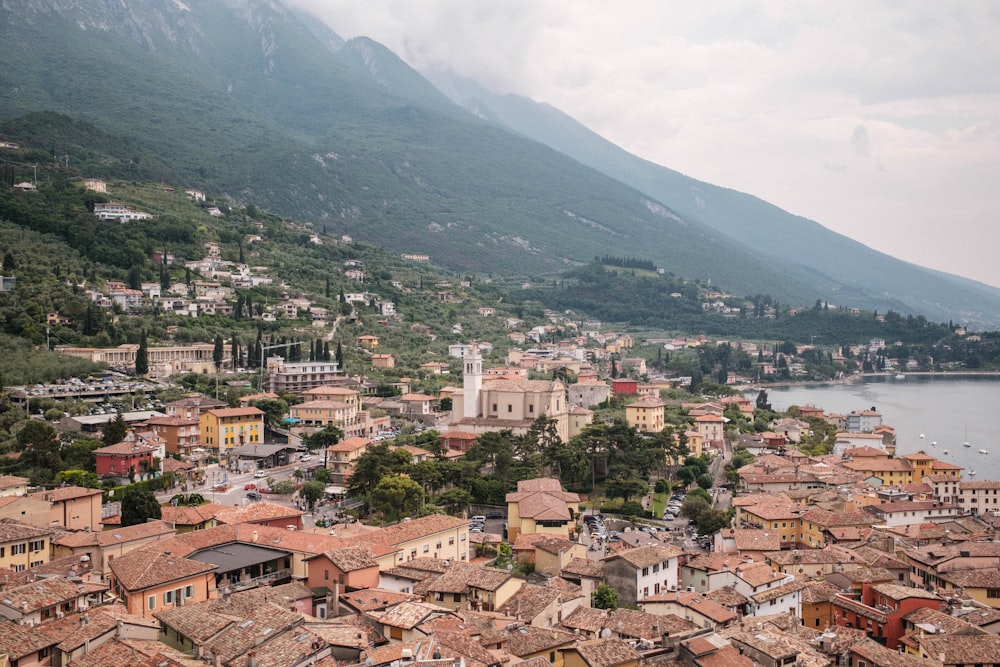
{"x":859,"y":377}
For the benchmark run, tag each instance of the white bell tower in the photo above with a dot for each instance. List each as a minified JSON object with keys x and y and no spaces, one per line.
{"x":472,"y":382}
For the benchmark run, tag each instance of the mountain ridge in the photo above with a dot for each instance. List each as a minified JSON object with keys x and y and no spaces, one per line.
{"x":247,"y":98}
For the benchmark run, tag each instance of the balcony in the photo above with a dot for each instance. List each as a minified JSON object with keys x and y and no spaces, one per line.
{"x":262,"y":580}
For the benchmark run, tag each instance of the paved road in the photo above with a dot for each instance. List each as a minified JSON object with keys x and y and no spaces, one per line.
{"x":235,"y":493}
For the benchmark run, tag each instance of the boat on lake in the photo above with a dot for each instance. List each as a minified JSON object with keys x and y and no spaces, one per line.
{"x":983,"y":451}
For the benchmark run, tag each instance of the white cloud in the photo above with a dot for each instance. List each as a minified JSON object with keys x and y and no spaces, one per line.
{"x":879,"y":120}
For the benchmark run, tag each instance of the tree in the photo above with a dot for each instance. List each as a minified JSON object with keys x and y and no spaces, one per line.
{"x":323,"y":475}
{"x":693,"y":506}
{"x":705,"y":481}
{"x":711,"y":520}
{"x":217,"y":352}
{"x":312,"y":492}
{"x":115,"y":430}
{"x":274,"y":410}
{"x":142,"y":356}
{"x":604,"y":597}
{"x":39,"y":443}
{"x":329,"y":436}
{"x":138,"y":505}
{"x":397,"y":496}
{"x":454,"y":501}
{"x":626,"y":488}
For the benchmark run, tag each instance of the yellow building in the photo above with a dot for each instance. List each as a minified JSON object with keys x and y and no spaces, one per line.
{"x":23,"y":546}
{"x":891,"y":472}
{"x":779,"y":516}
{"x":540,"y":506}
{"x":227,"y":428}
{"x":646,"y":415}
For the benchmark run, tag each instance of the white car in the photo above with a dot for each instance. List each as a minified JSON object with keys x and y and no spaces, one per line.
{"x":260,"y":474}
{"x":305,"y":457}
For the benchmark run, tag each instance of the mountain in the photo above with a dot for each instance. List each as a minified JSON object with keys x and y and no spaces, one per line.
{"x":249,"y":100}
{"x":842,"y":269}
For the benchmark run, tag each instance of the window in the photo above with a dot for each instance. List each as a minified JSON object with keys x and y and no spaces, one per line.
{"x":531,"y":409}
{"x":427,"y":548}
{"x":151,"y":602}
{"x":993,"y":593}
{"x":326,"y":575}
{"x":18,"y":567}
{"x":645,"y":571}
{"x":451,"y":540}
{"x":189,"y":591}
{"x":494,"y":407}
{"x":18,"y":549}
{"x":438,"y":545}
{"x":552,"y":657}
{"x":36,"y":545}
{"x":510,"y":408}
{"x":168,"y":597}
{"x":456,"y":597}
{"x":36,"y":563}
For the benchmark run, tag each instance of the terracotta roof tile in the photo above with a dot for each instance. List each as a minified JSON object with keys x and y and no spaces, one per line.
{"x":40,"y":594}
{"x":19,"y":641}
{"x":646,"y":556}
{"x":606,"y":652}
{"x":195,"y":622}
{"x":527,"y":640}
{"x":263,"y":623}
{"x":257,"y":512}
{"x":141,"y":569}
{"x":529,"y":601}
{"x":584,"y":567}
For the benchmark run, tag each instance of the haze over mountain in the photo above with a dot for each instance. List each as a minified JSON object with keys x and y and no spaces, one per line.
{"x":248,"y":99}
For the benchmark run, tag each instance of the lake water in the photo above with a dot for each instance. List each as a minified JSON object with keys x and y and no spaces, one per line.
{"x":947,"y":410}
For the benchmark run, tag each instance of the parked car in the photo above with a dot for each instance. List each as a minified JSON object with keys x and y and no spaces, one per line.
{"x":479,"y":518}
{"x":250,"y":486}
{"x":264,"y":489}
{"x":260,"y":474}
{"x":494,"y":515}
{"x":253,"y":495}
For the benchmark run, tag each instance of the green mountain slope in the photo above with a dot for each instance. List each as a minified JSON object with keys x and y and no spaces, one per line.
{"x":843,"y":270}
{"x":241,"y":99}
{"x":247,"y":100}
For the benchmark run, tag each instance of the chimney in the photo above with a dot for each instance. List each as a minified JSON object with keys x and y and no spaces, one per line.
{"x":254,"y":537}
{"x":333,"y":601}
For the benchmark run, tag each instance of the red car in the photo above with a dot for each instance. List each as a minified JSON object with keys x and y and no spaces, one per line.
{"x":265,"y":490}
{"x":250,"y":486}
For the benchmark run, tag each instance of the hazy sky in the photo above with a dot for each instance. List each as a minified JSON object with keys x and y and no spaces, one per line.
{"x":880,"y":120}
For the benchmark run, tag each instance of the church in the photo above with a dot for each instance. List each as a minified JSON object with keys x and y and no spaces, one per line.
{"x":498,"y":403}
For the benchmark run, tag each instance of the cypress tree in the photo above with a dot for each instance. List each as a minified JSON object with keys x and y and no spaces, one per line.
{"x":142,"y":356}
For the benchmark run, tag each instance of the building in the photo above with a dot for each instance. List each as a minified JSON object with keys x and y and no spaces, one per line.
{"x":148,"y":583}
{"x":646,"y":415}
{"x":486,"y":405}
{"x":641,"y":572}
{"x":163,"y":360}
{"x":340,"y":458}
{"x":11,"y":485}
{"x":541,"y":506}
{"x":73,"y":507}
{"x":126,"y":461}
{"x":101,"y":547}
{"x":179,"y":434}
{"x":297,"y":377}
{"x":226,"y":428}
{"x":880,"y":610}
{"x":23,"y":546}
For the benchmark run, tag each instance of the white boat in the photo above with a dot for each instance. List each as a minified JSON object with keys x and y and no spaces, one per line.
{"x":900,"y":376}
{"x":983,"y":451}
{"x":967,"y":444}
{"x":946,"y":452}
{"x":972,"y":473}
{"x":933,"y":443}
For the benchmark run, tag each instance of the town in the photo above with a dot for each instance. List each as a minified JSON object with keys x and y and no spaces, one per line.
{"x":282,"y":542}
